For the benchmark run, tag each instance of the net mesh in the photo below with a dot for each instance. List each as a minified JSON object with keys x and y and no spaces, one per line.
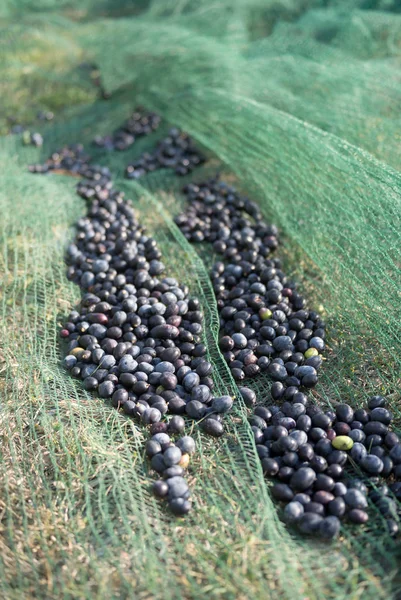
{"x":298,"y":103}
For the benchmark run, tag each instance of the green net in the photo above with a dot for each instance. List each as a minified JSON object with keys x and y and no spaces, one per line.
{"x":299,"y":104}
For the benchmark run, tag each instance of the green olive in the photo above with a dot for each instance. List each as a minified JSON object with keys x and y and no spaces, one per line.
{"x":311,"y":352}
{"x":265,"y":313}
{"x":342,"y":442}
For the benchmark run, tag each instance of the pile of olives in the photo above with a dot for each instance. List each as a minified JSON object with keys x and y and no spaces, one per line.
{"x":315,"y":455}
{"x":139,"y":124}
{"x":136,"y":339}
{"x":264,"y":323}
{"x":177,"y":151}
{"x":265,"y":326}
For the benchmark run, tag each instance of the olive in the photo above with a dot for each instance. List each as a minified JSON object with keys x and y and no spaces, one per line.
{"x":270,"y":467}
{"x":157,"y":463}
{"x":376,"y":402}
{"x":262,"y":451}
{"x":322,"y":497}
{"x":186,"y":444}
{"x":355,"y":499}
{"x":321,"y":420}
{"x":337,"y":507}
{"x":195,"y":409}
{"x":304,"y":423}
{"x":323,"y":447}
{"x":302,"y":498}
{"x":177,"y":486}
{"x":163,"y":439}
{"x":382,"y":415}
{"x":302,"y":479}
{"x":358,"y":452}
{"x":357,"y":484}
{"x":90,"y":383}
{"x":213,"y":427}
{"x":319,"y":464}
{"x":324,"y":482}
{"x":345,"y":413}
{"x":293,"y":512}
{"x":362,"y":416}
{"x":179,"y":506}
{"x":160,"y":488}
{"x":300,"y":437}
{"x":358,"y":516}
{"x":176,"y":425}
{"x":396,"y":489}
{"x":342,"y":442}
{"x":375,"y":428}
{"x":388,"y":466}
{"x":329,"y":527}
{"x":263,"y":412}
{"x":342,"y":429}
{"x":340,"y":489}
{"x":387,"y":507}
{"x":151,"y":415}
{"x":152,"y":447}
{"x":337,"y":457}
{"x":172,"y":456}
{"x":391,"y":439}
{"x":282,"y":491}
{"x":316,"y":434}
{"x":175,"y":471}
{"x":285,"y":473}
{"x":222,"y":404}
{"x":357,"y":435}
{"x":372,"y":464}
{"x":395,"y":453}
{"x":306,"y":452}
{"x":309,"y":523}
{"x":248,"y":396}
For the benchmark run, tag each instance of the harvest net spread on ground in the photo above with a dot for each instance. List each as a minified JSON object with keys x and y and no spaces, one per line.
{"x":298,"y":105}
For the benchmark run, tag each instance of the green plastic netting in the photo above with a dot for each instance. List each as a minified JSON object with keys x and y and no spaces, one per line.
{"x":298,"y":102}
